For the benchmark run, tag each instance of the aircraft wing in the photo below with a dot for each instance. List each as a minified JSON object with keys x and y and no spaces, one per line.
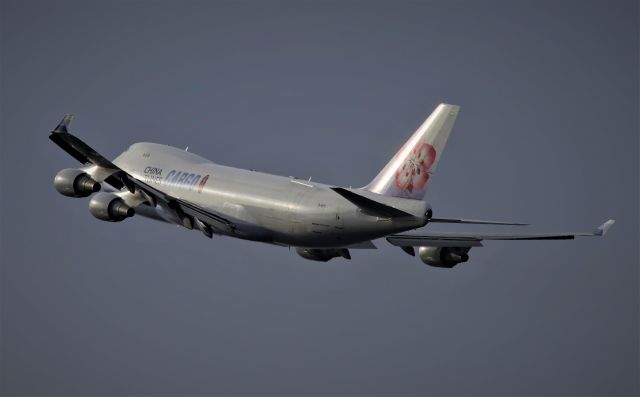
{"x":475,"y":222}
{"x":454,"y":239}
{"x":119,"y":178}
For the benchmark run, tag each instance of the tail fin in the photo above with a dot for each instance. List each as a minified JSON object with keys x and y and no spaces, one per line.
{"x":408,"y":172}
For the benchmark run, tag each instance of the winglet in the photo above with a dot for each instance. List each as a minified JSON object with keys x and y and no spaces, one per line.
{"x":64,"y":124}
{"x":602,"y":229}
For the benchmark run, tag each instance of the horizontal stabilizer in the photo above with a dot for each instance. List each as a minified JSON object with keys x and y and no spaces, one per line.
{"x":368,"y":206}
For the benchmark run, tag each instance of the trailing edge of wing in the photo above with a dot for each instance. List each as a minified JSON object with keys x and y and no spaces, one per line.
{"x":475,"y":222}
{"x":370,"y":206}
{"x":364,"y":245}
{"x":441,"y":239}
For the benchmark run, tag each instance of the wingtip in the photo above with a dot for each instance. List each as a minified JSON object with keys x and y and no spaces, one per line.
{"x":604,"y":228}
{"x":63,"y":126}
{"x":451,"y":107}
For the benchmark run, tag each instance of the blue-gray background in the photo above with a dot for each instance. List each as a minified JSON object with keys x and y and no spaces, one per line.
{"x":548,"y":133}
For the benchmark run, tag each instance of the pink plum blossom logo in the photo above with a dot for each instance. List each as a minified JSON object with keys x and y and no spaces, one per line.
{"x":414,"y":173}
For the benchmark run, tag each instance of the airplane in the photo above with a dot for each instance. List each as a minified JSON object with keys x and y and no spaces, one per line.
{"x":320,"y":221}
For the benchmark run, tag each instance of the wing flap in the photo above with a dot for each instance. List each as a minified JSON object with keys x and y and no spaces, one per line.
{"x":475,"y":222}
{"x":433,"y":240}
{"x":216,"y":221}
{"x":364,"y":245}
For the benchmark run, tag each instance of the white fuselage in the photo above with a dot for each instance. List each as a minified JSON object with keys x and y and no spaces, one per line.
{"x":264,"y":207}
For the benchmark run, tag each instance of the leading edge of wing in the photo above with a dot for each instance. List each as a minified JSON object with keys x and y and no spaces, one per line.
{"x":457,"y":239}
{"x":75,"y":147}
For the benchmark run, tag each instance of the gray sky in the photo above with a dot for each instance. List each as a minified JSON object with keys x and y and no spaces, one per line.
{"x":548,"y":133}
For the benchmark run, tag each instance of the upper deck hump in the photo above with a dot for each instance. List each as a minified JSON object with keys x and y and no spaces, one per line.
{"x":151,"y":148}
{"x":142,"y":154}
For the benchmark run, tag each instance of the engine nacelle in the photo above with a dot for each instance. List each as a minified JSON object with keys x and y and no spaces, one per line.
{"x":443,"y":256}
{"x":323,"y":255}
{"x":109,"y":207}
{"x":75,"y":183}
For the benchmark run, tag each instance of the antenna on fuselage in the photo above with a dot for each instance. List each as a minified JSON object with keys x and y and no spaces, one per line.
{"x":186,"y":149}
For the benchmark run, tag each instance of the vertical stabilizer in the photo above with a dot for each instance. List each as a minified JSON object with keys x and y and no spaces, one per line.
{"x":408,"y":172}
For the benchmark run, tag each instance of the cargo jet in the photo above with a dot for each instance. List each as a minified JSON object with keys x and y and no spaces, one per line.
{"x":321,"y":221}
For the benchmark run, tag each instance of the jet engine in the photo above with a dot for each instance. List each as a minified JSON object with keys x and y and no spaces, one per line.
{"x":109,"y":207}
{"x":323,"y":255}
{"x":75,"y":183}
{"x":443,"y":256}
